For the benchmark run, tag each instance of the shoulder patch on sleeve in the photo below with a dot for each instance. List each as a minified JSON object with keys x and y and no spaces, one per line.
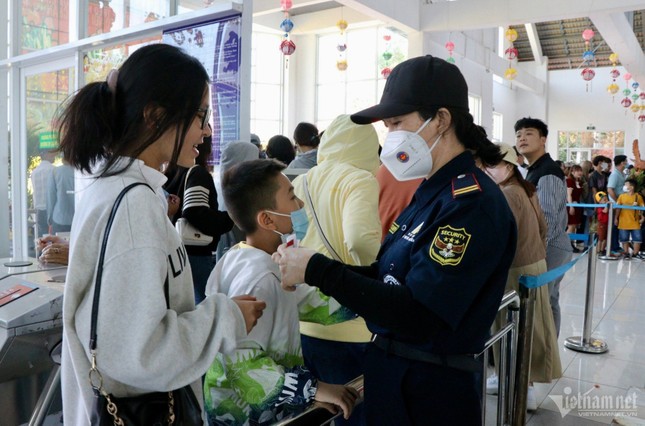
{"x":465,"y":184}
{"x":449,"y":245}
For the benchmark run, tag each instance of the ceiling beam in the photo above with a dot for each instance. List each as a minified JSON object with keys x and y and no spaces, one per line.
{"x":534,"y":40}
{"x":617,"y":32}
{"x":475,"y":14}
{"x":403,"y":14}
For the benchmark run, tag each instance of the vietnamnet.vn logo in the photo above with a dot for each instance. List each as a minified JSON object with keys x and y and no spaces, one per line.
{"x":593,"y":404}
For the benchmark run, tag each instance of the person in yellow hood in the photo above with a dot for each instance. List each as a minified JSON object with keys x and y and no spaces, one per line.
{"x":341,"y":199}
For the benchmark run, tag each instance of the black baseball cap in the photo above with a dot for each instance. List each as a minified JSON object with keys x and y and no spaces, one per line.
{"x":419,"y":83}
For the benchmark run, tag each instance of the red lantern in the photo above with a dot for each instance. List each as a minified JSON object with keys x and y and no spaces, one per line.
{"x":626,"y":102}
{"x":614,"y":73}
{"x":385,"y":72}
{"x":286,"y":5}
{"x":450,"y":46}
{"x":642,"y":96}
{"x":588,"y":74}
{"x":641,"y":118}
{"x":387,"y":37}
{"x":511,"y":53}
{"x":287,"y":47}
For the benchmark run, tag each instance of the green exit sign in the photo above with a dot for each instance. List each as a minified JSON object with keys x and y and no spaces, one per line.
{"x":48,"y":140}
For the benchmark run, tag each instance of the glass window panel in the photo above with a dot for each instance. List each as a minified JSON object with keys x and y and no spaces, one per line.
{"x":265,"y":129}
{"x":327,"y":56}
{"x":45,"y":23}
{"x":360,"y":95}
{"x":331,"y":101}
{"x":129,"y":13}
{"x":267,"y":100}
{"x":97,"y":63}
{"x":267,"y":59}
{"x":361,"y":53}
{"x":43,"y":94}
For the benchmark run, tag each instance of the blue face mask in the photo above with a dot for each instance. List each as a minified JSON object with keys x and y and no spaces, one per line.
{"x":299,"y":223}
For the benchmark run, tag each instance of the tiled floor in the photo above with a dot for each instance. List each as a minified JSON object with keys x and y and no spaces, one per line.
{"x":615,"y":378}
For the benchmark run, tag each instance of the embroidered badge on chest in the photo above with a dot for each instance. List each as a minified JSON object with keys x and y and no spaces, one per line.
{"x":449,"y":245}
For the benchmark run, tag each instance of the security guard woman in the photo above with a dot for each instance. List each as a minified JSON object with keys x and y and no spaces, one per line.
{"x":432,"y":295}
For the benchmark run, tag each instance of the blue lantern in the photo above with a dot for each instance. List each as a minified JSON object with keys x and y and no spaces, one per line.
{"x":635,"y":85}
{"x":588,"y":56}
{"x":286,"y":25}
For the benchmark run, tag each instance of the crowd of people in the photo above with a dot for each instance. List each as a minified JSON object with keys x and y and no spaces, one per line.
{"x":390,"y":263}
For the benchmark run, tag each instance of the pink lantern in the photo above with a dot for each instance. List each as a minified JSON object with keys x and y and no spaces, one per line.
{"x":627,"y":76}
{"x":387,"y":37}
{"x":626,"y":102}
{"x":511,"y":53}
{"x":286,"y":5}
{"x":287,"y":47}
{"x":587,"y":34}
{"x":614,"y":73}
{"x":385,"y":72}
{"x":588,"y":74}
{"x":450,"y":46}
{"x":641,"y":118}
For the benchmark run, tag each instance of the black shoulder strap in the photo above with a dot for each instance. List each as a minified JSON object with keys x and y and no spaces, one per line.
{"x":99,"y":269}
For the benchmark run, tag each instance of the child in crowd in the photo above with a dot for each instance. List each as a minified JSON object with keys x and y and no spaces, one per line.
{"x":602,"y":214}
{"x":264,"y":379}
{"x":629,"y":221}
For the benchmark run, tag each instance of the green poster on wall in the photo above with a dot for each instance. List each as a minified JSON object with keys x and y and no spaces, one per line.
{"x":48,"y":140}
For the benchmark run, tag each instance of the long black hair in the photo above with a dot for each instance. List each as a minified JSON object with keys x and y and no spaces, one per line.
{"x":158,"y":87}
{"x":470,"y":135}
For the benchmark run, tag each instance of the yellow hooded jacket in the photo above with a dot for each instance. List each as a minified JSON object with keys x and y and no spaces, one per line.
{"x":344,"y":193}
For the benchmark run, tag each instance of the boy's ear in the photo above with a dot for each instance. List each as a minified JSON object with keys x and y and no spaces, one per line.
{"x":265,"y":221}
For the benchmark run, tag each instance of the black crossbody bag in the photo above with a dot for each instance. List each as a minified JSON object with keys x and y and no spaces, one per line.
{"x":179,"y":407}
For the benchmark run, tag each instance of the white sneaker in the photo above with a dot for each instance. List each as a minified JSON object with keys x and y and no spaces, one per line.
{"x":492,"y":385}
{"x":531,"y":401}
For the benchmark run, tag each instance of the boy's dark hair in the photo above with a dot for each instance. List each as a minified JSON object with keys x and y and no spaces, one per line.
{"x":281,"y":148}
{"x":619,"y":159}
{"x":600,"y":159}
{"x":100,"y":123}
{"x":632,"y":182}
{"x":532,"y":123}
{"x":306,"y":134}
{"x":248,"y":188}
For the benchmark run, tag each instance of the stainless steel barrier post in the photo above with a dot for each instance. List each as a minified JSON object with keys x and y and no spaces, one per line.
{"x":525,"y":339}
{"x":586,"y":343}
{"x":610,"y":225}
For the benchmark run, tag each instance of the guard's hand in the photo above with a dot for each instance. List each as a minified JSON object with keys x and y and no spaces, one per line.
{"x":173,"y":205}
{"x":293,"y":264}
{"x":342,"y":397}
{"x":251,"y":309}
{"x":55,"y":253}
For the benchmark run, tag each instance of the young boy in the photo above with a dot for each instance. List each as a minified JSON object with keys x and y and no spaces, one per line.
{"x":265,"y":378}
{"x":629,"y":221}
{"x":603,"y":219}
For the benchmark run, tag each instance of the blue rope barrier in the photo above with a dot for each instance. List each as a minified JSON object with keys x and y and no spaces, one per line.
{"x":616,"y":206}
{"x":530,"y":281}
{"x":579,"y":237}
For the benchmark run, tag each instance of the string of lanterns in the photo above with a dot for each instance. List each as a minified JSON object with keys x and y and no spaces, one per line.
{"x":511,"y":54}
{"x":588,"y":57}
{"x":341,"y":62}
{"x":287,"y":46}
{"x":387,"y":56}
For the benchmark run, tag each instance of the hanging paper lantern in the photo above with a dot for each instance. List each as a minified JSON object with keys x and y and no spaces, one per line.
{"x":450,"y":60}
{"x":286,"y":25}
{"x":511,"y":35}
{"x":287,"y":47}
{"x":641,"y":118}
{"x":635,"y":85}
{"x":635,"y":97}
{"x":627,"y":76}
{"x":613,"y":58}
{"x":341,"y":47}
{"x":385,"y":72}
{"x":626,"y":102}
{"x":613,"y":88}
{"x":587,"y":34}
{"x":614,"y":73}
{"x":627,"y":92}
{"x":510,"y":73}
{"x":588,"y":56}
{"x":342,"y":25}
{"x":387,"y":37}
{"x":341,"y":64}
{"x":635,"y":108}
{"x":450,"y":47}
{"x":588,"y":74}
{"x":511,"y":53}
{"x":387,"y":55}
{"x":286,"y":5}
{"x":642,"y":96}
